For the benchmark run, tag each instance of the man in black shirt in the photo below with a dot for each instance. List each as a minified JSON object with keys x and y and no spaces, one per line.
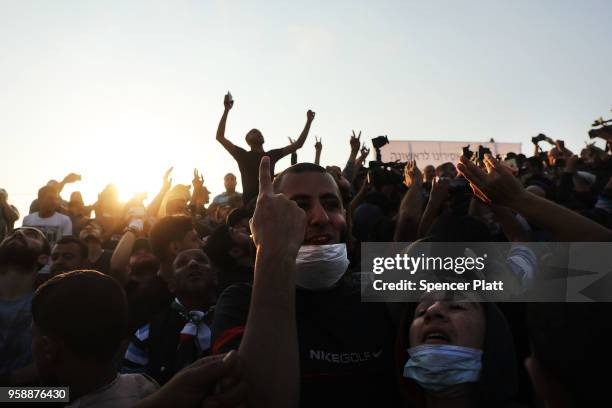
{"x":98,"y":258}
{"x":317,"y":343}
{"x":248,"y":161}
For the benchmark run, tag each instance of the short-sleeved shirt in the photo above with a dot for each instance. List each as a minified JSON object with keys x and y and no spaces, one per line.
{"x":54,"y":227}
{"x":345,"y":346}
{"x":234,"y":199}
{"x":248,"y":163}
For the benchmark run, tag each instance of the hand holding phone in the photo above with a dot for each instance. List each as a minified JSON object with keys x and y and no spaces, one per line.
{"x":228,"y":101}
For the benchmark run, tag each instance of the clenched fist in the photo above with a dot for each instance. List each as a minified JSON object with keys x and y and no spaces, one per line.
{"x":310,"y":115}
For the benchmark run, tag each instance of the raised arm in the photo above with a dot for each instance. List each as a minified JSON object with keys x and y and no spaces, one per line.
{"x":153,"y":207}
{"x":437,"y":198}
{"x":300,"y":141}
{"x":360,"y":161}
{"x":228,"y":103}
{"x":70,"y":178}
{"x":121,"y":255}
{"x":318,"y":148}
{"x":349,"y":168}
{"x":359,"y":198}
{"x":411,"y":207}
{"x":498,"y":186}
{"x":269,"y":347}
{"x":294,"y":158}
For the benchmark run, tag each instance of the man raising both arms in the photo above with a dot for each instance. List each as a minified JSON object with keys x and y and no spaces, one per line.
{"x":248,"y":161}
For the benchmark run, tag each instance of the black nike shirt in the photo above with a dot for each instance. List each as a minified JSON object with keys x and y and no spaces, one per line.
{"x":345,"y":346}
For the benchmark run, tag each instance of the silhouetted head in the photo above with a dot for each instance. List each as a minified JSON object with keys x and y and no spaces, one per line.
{"x":254,"y":138}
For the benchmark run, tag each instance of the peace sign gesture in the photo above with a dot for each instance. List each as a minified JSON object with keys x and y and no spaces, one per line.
{"x":278,"y":224}
{"x":355,"y":142}
{"x":198,"y":180}
{"x":318,"y":145}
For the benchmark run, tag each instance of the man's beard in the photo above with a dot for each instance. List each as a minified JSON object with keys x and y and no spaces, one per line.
{"x":19,"y":255}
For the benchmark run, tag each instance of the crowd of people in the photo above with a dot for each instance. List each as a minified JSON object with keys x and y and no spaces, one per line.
{"x":253,"y":299}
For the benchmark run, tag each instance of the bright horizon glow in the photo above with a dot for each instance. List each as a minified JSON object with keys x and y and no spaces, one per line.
{"x":120,"y":91}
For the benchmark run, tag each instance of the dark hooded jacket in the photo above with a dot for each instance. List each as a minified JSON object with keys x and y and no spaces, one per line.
{"x":498,"y":382}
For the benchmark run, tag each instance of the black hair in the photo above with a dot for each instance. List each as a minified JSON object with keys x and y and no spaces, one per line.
{"x":498,"y":382}
{"x":218,"y":246}
{"x":168,"y":229}
{"x":237,"y":215}
{"x":86,"y":309}
{"x":298,"y":169}
{"x":71,"y":239}
{"x":535,"y":162}
{"x":570,"y":341}
{"x":454,"y":228}
{"x":43,"y":190}
{"x":93,"y":221}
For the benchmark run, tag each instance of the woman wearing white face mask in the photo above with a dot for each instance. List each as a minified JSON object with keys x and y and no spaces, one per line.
{"x":455,"y":353}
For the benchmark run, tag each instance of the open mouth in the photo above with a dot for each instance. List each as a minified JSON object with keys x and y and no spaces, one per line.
{"x":436,"y":337}
{"x":195,"y":274}
{"x":321,"y":239}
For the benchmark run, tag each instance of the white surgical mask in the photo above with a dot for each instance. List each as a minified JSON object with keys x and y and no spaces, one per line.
{"x":320,"y":266}
{"x":442,"y":369}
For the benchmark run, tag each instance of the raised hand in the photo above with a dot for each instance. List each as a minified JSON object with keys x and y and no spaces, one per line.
{"x":278,"y":224}
{"x":365,"y":151}
{"x":366,"y":185}
{"x":198,"y":180}
{"x":439,"y":190}
{"x":310,"y":115}
{"x":412,"y":174}
{"x":71,"y":178}
{"x":355,"y":142}
{"x":318,"y":146}
{"x":167,"y":183}
{"x":493,"y":185}
{"x":228,"y":101}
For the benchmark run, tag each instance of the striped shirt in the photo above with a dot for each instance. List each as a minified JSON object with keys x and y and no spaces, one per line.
{"x":136,"y":356}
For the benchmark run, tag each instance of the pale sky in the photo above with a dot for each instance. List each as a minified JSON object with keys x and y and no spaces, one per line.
{"x":120,"y":90}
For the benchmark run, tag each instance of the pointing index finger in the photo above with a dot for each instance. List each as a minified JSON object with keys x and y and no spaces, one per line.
{"x":265,"y":181}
